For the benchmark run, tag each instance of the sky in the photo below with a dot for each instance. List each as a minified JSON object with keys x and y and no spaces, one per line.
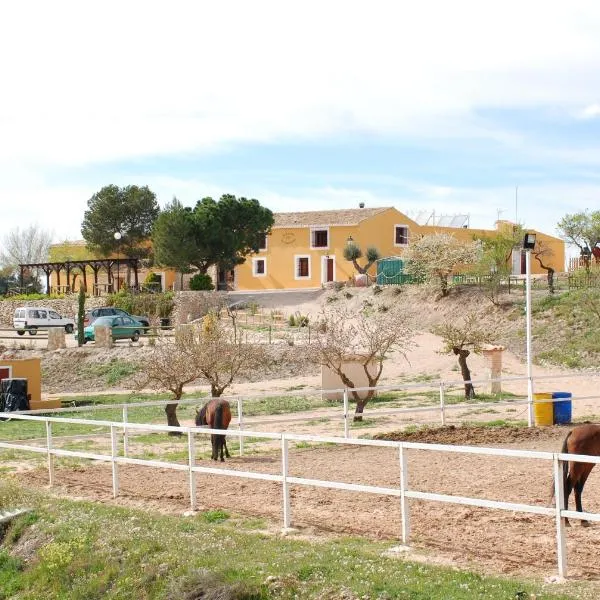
{"x":428,"y":106}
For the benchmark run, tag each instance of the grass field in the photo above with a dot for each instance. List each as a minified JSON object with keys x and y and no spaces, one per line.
{"x":79,"y":550}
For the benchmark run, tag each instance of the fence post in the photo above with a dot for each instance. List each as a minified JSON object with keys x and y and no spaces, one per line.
{"x":559,"y":498}
{"x":191,"y":464}
{"x":50,"y":455}
{"x":346,"y":422}
{"x":530,"y":420}
{"x":286,"y":487}
{"x":114,"y":451}
{"x":240,"y":424}
{"x":125,"y":433}
{"x":270,"y":334}
{"x":404,"y":505}
{"x":443,"y":403}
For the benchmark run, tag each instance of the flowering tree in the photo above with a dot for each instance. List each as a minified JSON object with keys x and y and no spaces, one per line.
{"x":366,"y":337}
{"x":434,"y":257}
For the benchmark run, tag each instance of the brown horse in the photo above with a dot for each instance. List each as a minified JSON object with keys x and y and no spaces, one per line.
{"x":216,"y":413}
{"x":581,"y":440}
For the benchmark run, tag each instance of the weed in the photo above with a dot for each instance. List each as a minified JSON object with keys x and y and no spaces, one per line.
{"x":214,"y":516}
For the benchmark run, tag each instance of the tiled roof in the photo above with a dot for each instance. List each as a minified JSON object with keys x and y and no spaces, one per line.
{"x":349,"y":216}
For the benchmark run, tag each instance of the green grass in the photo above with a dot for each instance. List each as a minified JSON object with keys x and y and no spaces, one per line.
{"x":566,"y":328}
{"x":91,"y":551}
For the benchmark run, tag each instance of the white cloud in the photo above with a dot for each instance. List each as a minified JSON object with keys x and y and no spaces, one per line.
{"x":94,"y":82}
{"x":590,"y":112}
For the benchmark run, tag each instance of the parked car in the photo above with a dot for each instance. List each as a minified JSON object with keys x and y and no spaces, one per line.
{"x":32,"y":318}
{"x":110,"y":311}
{"x":122,"y":328}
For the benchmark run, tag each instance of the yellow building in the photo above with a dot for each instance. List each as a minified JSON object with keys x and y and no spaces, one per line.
{"x":306,"y":250}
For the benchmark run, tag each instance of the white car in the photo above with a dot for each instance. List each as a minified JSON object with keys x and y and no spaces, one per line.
{"x":32,"y":318}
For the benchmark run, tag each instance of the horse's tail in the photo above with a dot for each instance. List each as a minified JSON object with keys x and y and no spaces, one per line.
{"x":218,"y":419}
{"x":565,"y":466}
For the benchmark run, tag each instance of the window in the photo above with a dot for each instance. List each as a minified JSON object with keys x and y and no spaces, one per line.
{"x":262,"y":241}
{"x":302,"y":265}
{"x":259,"y":267}
{"x":319,"y":238}
{"x":400,"y":235}
{"x":54,"y":315}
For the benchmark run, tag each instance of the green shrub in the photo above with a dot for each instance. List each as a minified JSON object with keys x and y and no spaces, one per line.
{"x":201,"y":282}
{"x":152,"y":305}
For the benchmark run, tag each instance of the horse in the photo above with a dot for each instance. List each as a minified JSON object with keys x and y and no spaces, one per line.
{"x":216,"y":413}
{"x":584,"y":439}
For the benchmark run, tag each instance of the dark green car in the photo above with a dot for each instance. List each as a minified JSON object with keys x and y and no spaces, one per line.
{"x":123,"y":328}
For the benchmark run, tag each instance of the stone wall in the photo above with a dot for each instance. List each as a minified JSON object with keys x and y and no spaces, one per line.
{"x":190,"y":306}
{"x":66,"y":307}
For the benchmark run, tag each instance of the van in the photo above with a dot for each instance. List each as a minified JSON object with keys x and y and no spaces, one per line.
{"x":32,"y":318}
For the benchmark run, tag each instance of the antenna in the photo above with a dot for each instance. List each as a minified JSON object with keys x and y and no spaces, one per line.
{"x":516,"y":205}
{"x":499,"y":211}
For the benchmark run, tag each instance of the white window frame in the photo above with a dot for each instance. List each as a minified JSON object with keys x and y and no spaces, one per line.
{"x":312,"y":231}
{"x":266,"y":246}
{"x":407,"y":234}
{"x":255,"y":272}
{"x":297,"y":258}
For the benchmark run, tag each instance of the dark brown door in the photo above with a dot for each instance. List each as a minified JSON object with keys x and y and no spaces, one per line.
{"x":330,"y":269}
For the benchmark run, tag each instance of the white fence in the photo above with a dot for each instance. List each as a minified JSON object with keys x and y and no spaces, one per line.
{"x":345,"y":413}
{"x":403,"y":491}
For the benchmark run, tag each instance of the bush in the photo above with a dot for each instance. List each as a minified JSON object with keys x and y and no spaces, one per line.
{"x":152,"y":305}
{"x":201,"y":282}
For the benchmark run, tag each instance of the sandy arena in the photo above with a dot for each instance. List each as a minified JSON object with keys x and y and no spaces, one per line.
{"x":483,"y":539}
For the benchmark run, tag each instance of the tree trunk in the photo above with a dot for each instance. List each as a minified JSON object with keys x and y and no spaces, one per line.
{"x":361,"y":403}
{"x":215,"y":391}
{"x":444,"y":285}
{"x":466,"y":374}
{"x":551,"y":280}
{"x":171,"y":412}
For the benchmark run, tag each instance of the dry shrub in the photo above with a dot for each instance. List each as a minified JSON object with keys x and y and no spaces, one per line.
{"x":204,"y":585}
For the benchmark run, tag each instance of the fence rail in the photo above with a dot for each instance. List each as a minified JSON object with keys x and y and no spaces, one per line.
{"x":402,"y":491}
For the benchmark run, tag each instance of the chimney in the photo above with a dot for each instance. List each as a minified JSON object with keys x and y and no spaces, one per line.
{"x":361,"y":205}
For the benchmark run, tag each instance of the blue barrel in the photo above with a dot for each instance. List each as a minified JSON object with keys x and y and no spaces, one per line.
{"x":562,"y":408}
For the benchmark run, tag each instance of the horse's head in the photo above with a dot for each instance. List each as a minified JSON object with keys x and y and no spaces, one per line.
{"x":201,"y":416}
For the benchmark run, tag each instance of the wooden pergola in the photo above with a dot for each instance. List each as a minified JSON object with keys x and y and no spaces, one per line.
{"x":79,"y":267}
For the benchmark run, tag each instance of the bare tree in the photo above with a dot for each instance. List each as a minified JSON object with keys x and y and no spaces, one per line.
{"x":366,"y":337}
{"x":25,"y":246}
{"x":434,"y":257}
{"x":458,"y":337}
{"x":542,"y":252}
{"x":207,"y":352}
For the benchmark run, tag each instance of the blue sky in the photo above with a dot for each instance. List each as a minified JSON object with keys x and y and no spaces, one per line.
{"x":428,"y":107}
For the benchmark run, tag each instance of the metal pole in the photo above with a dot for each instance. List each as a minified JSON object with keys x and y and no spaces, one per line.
{"x":191,"y":463}
{"x":114,"y":451}
{"x":346,"y":422}
{"x":50,"y":455}
{"x":528,"y":336}
{"x":404,"y":505}
{"x":240,"y":424}
{"x":559,"y":497}
{"x":286,"y":487}
{"x":442,"y":403}
{"x":125,"y":433}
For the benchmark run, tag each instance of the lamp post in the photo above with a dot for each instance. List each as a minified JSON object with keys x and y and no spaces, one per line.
{"x":118,"y":237}
{"x":528,"y":246}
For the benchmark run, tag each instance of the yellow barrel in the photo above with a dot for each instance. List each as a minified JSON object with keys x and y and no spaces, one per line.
{"x":543,"y":412}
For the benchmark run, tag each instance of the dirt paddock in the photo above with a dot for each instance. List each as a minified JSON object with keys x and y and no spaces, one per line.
{"x":491,"y":540}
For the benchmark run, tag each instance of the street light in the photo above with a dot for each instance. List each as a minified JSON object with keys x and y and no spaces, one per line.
{"x":118,"y":237}
{"x":350,"y":240}
{"x":528,"y":246}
